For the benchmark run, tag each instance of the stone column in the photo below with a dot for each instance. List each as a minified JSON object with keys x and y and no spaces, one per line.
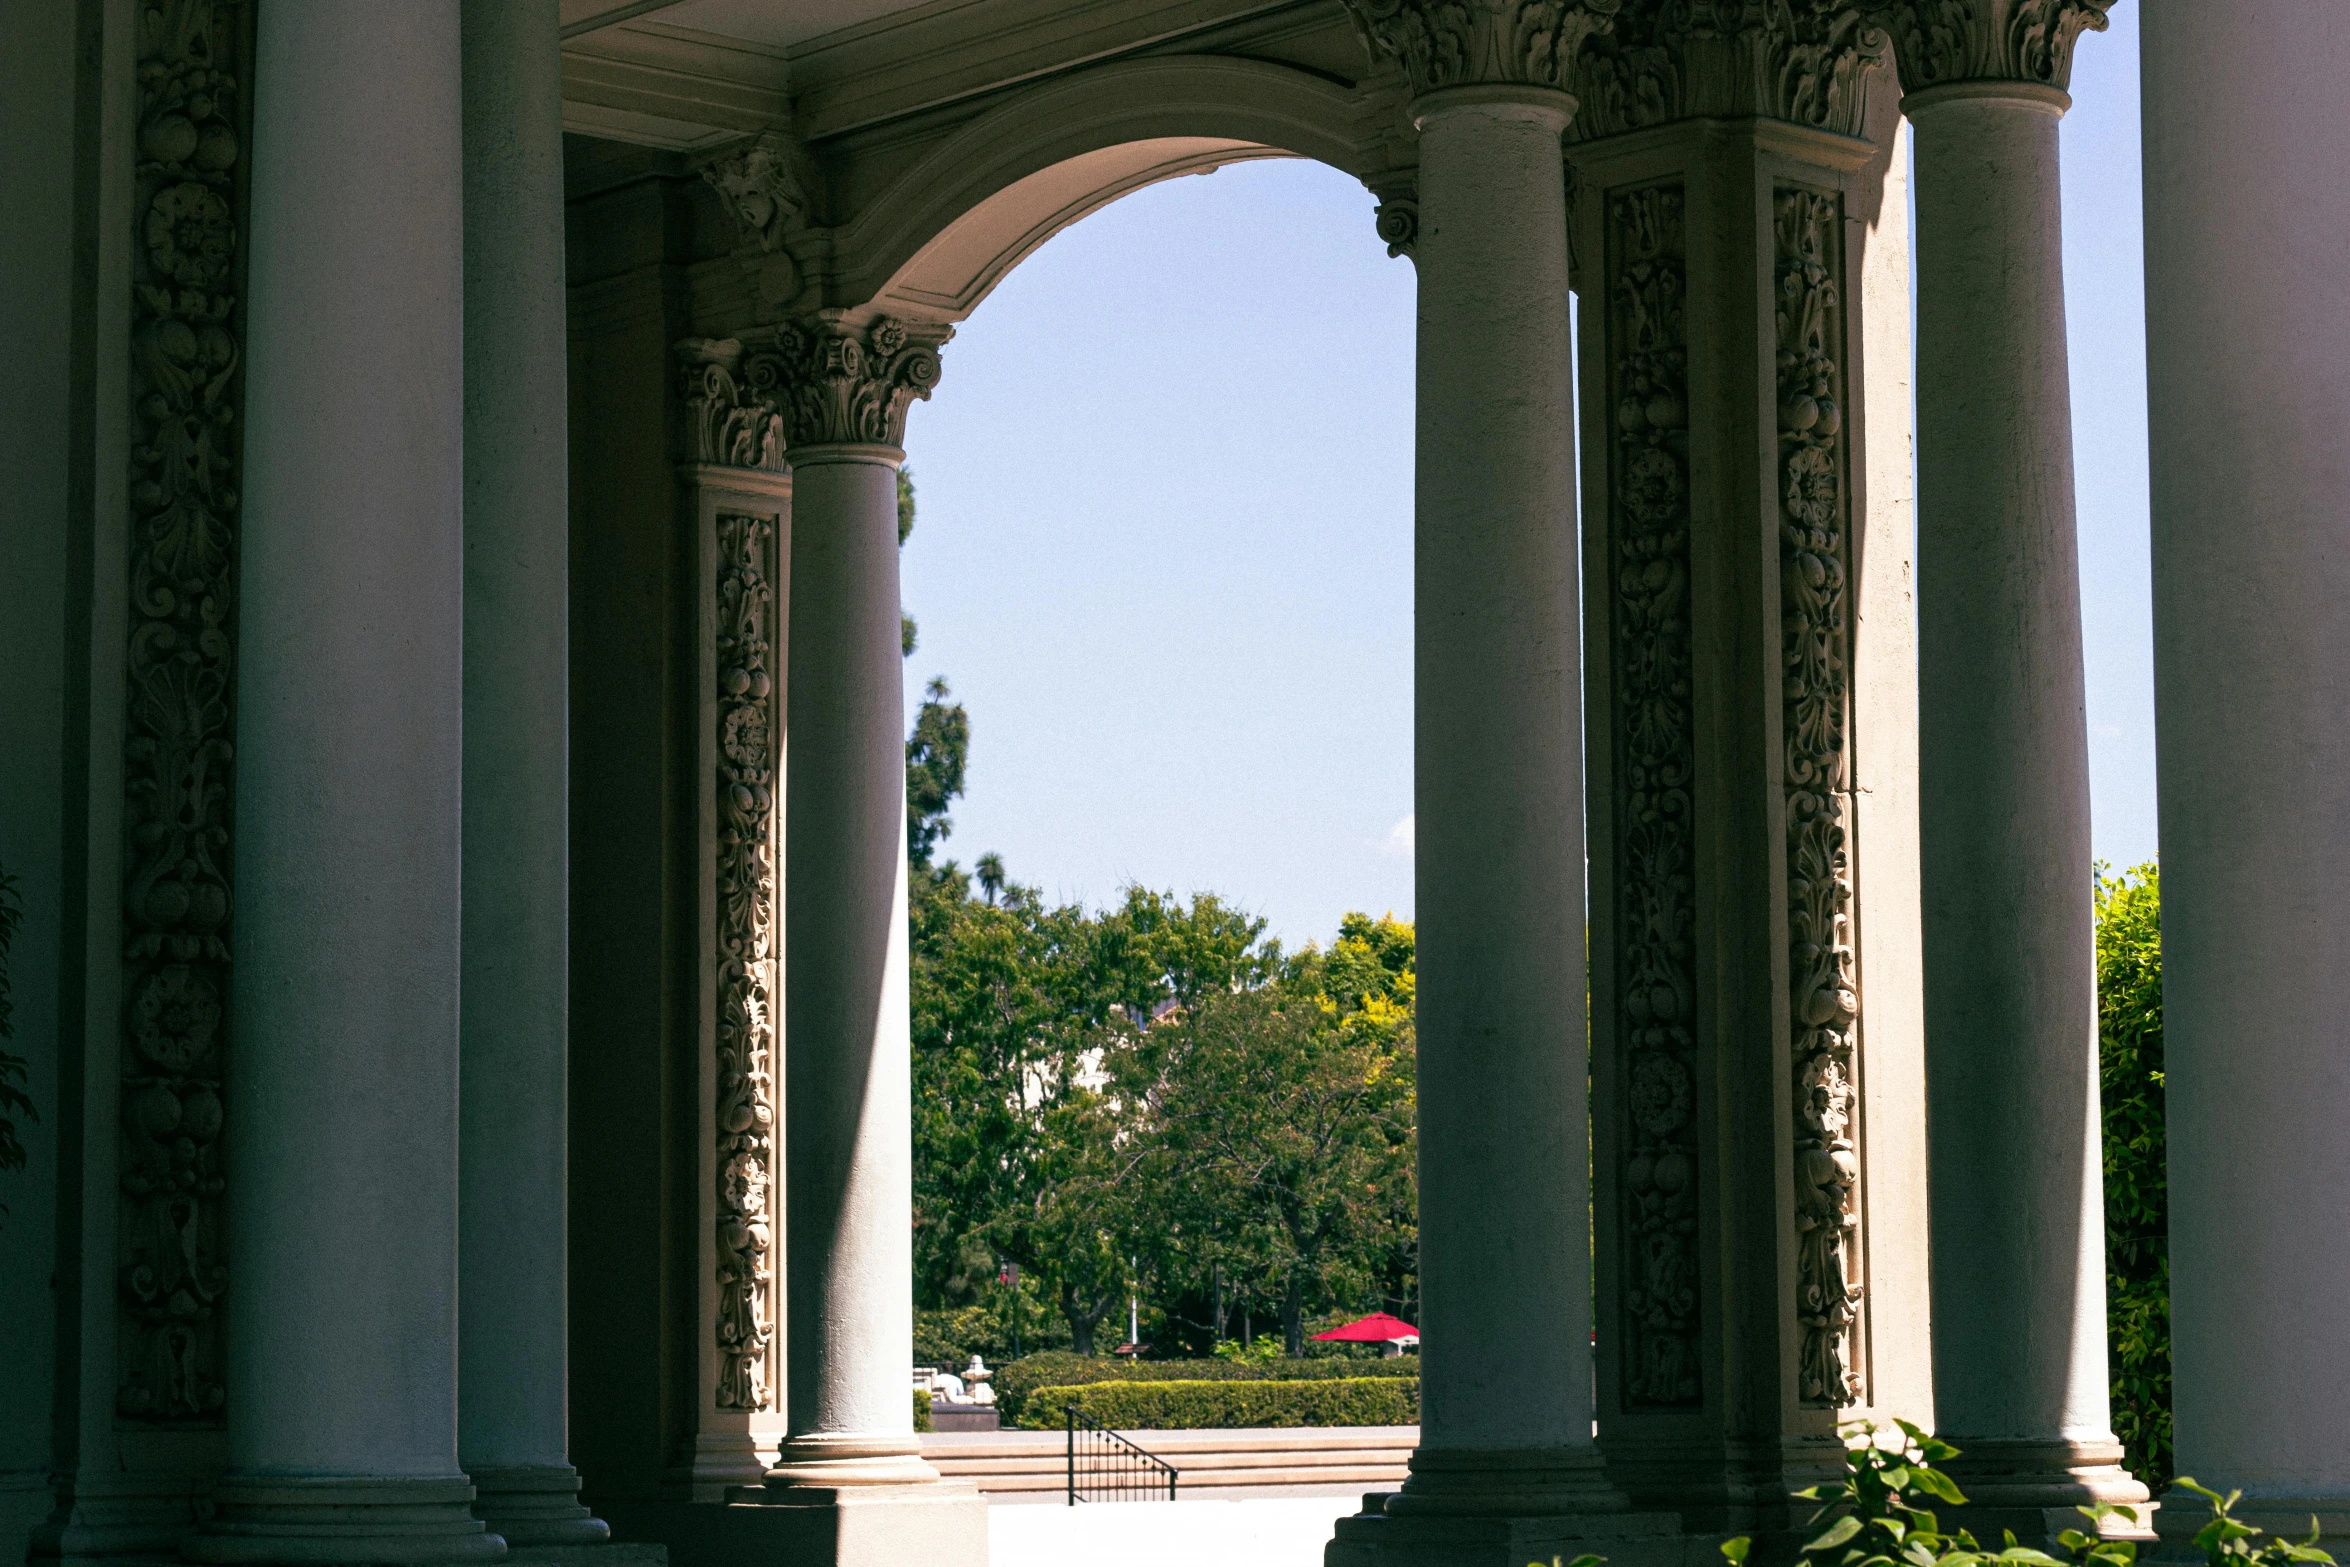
{"x":1506,"y":1464}
{"x":1758,"y":1108}
{"x":343,"y":1214}
{"x":850,"y":1466}
{"x":2248,"y":371}
{"x":512,"y":1335}
{"x":2016,"y":1177}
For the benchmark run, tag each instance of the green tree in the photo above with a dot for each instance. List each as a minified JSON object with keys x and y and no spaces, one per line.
{"x":1278,"y":1118}
{"x":2137,"y":1207}
{"x":936,"y":753}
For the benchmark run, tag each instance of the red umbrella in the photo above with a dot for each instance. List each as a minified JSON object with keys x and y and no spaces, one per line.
{"x":1377,"y":1328}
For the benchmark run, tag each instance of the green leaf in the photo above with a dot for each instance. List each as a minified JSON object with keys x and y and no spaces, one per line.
{"x":1940,"y":1485}
{"x":1734,"y":1551}
{"x":1835,"y":1534}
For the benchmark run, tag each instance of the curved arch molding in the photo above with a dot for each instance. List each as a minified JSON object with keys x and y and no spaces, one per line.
{"x":932,"y":244}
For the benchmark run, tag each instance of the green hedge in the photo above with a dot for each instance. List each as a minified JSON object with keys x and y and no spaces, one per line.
{"x":1014,"y":1383}
{"x":922,"y":1410}
{"x":1231,"y":1404}
{"x":2137,"y":1206}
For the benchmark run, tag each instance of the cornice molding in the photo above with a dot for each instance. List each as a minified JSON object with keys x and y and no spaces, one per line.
{"x":1943,"y":42}
{"x":1807,"y":62}
{"x":1476,"y":43}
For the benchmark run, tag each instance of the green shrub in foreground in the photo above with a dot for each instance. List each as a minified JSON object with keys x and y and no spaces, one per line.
{"x":1231,"y":1405}
{"x":922,"y":1410}
{"x":1016,"y":1381}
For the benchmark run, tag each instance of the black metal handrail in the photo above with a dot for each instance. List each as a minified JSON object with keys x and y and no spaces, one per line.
{"x":1105,"y":1467}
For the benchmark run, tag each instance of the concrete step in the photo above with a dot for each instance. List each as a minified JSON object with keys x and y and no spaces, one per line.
{"x":1300,"y":1461}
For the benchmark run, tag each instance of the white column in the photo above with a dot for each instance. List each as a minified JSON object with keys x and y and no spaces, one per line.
{"x":2248,"y":371}
{"x":1505,"y":1241}
{"x":848,"y":1171}
{"x":850,"y":1460}
{"x":512,"y":1406}
{"x":343,"y":1213}
{"x":2016,"y":1178}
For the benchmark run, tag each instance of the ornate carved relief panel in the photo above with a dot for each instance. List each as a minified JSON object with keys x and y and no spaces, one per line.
{"x":1815,"y":627}
{"x":186,"y":404}
{"x":1654,"y":781}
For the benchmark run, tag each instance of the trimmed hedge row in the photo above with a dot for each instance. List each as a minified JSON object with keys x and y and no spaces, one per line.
{"x":1017,"y":1382}
{"x":1231,"y":1404}
{"x":922,"y":1410}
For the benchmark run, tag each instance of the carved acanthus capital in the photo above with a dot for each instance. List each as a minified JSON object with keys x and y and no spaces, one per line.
{"x":1808,"y":62}
{"x":731,"y":418}
{"x":1942,"y":42}
{"x":1469,"y":43}
{"x":837,"y":383}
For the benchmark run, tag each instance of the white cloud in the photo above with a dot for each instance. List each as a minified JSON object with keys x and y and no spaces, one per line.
{"x":1403,"y":839}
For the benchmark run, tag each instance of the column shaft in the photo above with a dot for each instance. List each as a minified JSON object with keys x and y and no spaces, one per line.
{"x":511,"y":1409}
{"x":2248,"y":370}
{"x":2011,"y":1012}
{"x":847,"y":1108}
{"x":1504,"y":1227}
{"x":343,"y":1223}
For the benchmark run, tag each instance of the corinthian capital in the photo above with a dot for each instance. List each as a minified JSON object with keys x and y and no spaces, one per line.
{"x":842,"y":384}
{"x":1941,"y":42}
{"x":1467,"y":43}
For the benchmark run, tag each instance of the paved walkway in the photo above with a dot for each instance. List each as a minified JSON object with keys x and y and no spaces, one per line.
{"x":1284,"y":1532}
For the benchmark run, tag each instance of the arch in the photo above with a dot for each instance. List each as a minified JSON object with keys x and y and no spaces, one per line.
{"x":943,"y":234}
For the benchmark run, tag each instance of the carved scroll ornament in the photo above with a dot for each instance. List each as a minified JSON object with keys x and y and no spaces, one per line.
{"x":746,"y":953}
{"x":838,"y":384}
{"x":1944,"y":41}
{"x":1461,"y":43}
{"x":1655,"y":766}
{"x":180,"y":717}
{"x":1815,"y":611}
{"x":1809,"y":62}
{"x":730,"y":407}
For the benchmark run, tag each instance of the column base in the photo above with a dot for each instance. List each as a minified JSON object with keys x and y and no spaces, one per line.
{"x":1506,"y":1482}
{"x":941,"y":1523}
{"x":829,"y":1462}
{"x":338,"y":1519}
{"x":2032,"y":1488}
{"x":537,"y":1505}
{"x":1378,"y":1536}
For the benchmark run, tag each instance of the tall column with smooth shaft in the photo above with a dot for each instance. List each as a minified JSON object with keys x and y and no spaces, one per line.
{"x":848,"y":1181}
{"x":1504,"y":1213}
{"x":343,"y":1216}
{"x":2011,"y":1010}
{"x":2248,"y":381}
{"x":848,"y":1172}
{"x":512,"y":1338}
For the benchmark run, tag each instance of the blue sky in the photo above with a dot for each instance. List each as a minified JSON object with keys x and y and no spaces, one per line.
{"x":1164,"y":547}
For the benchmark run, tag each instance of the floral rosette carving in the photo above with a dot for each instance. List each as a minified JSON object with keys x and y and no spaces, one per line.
{"x":1942,"y":41}
{"x":1655,"y":765}
{"x":1460,"y":43}
{"x":840,"y":385}
{"x":746,"y":949}
{"x":180,"y":719}
{"x":1815,"y":623}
